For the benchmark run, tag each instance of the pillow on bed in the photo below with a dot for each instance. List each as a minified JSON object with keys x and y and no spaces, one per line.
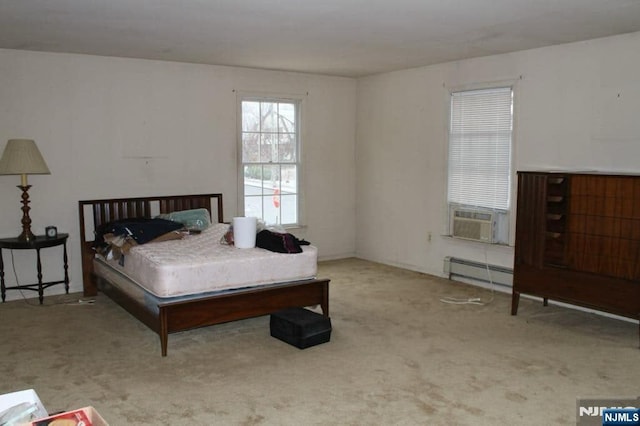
{"x":191,"y":219}
{"x":117,"y":245}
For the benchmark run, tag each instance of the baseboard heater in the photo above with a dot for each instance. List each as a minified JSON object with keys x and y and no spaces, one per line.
{"x":462,"y":268}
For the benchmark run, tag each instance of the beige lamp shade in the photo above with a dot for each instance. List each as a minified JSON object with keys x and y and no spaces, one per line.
{"x":22,"y":157}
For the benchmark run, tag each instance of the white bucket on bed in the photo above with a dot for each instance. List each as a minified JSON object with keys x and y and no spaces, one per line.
{"x":244,"y":232}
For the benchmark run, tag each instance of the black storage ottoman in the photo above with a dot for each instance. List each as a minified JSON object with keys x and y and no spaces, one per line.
{"x":300,"y":327}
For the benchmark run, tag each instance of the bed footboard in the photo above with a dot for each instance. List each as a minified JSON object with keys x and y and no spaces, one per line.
{"x":180,"y":316}
{"x":172,"y":317}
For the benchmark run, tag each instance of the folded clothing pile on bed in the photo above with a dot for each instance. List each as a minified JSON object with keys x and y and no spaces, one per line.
{"x":116,"y":238}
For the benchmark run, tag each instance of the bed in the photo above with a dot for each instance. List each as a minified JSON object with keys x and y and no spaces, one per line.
{"x":165,"y":315}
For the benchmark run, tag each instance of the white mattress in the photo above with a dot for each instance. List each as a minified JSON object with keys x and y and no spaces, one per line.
{"x":199,"y":263}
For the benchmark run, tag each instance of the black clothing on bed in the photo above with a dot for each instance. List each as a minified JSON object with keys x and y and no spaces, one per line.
{"x":141,"y":229}
{"x":279,"y":242}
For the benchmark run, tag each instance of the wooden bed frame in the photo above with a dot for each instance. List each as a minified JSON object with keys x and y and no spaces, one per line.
{"x":175,"y":316}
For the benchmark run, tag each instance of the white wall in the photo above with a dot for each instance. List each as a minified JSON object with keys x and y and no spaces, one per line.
{"x":112,"y":127}
{"x":577,"y":107}
{"x":124,"y":127}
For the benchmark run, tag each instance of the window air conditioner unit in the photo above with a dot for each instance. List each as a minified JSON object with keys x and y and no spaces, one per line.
{"x":473,"y":225}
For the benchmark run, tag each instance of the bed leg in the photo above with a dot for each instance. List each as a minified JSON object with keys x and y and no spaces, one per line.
{"x":164,"y":334}
{"x":325,"y":299}
{"x":163,"y":344}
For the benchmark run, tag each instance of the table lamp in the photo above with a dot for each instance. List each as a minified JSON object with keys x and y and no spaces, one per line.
{"x":22,"y":157}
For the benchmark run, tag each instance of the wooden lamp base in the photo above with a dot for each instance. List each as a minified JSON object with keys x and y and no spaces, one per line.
{"x":26,"y":234}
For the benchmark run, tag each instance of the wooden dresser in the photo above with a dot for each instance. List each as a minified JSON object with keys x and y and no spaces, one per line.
{"x":578,"y":240}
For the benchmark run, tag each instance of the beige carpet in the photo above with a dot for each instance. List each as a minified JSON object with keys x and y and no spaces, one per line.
{"x":397,"y":355}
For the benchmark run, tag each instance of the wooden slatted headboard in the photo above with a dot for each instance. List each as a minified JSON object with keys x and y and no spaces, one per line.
{"x":94,"y":213}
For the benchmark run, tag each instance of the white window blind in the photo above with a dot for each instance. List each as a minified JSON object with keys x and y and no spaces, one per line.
{"x":480,"y":148}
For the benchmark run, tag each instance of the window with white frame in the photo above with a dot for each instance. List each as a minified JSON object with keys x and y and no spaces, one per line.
{"x":479,"y":169}
{"x":270,"y":159}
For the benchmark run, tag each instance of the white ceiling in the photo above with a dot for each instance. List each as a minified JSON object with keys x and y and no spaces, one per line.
{"x":337,"y":37}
